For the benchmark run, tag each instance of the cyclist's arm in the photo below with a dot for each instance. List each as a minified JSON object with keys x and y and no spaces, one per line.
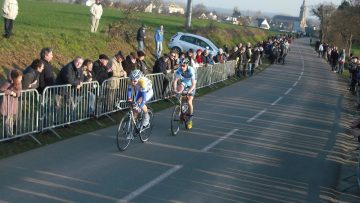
{"x":175,"y":83}
{"x":193,"y":85}
{"x":129,"y":92}
{"x":143,"y":100}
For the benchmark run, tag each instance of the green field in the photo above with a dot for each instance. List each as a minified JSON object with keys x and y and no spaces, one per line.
{"x":65,"y":28}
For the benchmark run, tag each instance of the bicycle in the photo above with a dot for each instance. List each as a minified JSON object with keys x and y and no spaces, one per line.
{"x":180,"y":114}
{"x":131,"y":126}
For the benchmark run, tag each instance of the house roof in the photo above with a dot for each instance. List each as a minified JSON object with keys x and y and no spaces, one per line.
{"x":285,"y":18}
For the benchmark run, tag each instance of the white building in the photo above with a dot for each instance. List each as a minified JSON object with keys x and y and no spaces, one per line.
{"x":231,"y":20}
{"x":173,"y":8}
{"x":209,"y":16}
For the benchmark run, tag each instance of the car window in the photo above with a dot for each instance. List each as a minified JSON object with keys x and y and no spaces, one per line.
{"x":187,"y":39}
{"x":201,"y":43}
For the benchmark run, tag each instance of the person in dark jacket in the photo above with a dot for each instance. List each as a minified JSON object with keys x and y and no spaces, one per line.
{"x":101,"y":69}
{"x":161,"y":65}
{"x":140,"y":37}
{"x":130,"y":63}
{"x":141,"y":64}
{"x":31,"y":75}
{"x":69,"y":74}
{"x":47,"y":77}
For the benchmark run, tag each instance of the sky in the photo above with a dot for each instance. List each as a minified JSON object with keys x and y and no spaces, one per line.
{"x":289,"y":7}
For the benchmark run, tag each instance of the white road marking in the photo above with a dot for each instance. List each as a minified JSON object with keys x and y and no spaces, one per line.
{"x":299,"y":78}
{"x":256,"y":116}
{"x":288,"y":91}
{"x":150,"y":184}
{"x":207,"y":148}
{"x":294,"y":85}
{"x":275,"y":102}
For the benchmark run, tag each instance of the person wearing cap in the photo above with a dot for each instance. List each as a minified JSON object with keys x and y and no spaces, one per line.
{"x":116,"y":65}
{"x":185,"y":75}
{"x":159,"y":38}
{"x":141,"y":64}
{"x":101,"y":69}
{"x":130,"y":63}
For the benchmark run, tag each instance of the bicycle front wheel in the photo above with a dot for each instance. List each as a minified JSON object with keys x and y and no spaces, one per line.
{"x":175,"y":120}
{"x":145,"y":133}
{"x":124,"y":133}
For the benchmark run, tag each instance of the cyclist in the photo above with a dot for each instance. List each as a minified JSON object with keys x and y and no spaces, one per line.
{"x":186,"y":75}
{"x":142,"y":86}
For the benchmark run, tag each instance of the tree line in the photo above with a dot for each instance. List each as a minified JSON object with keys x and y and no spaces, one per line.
{"x":339,"y":25}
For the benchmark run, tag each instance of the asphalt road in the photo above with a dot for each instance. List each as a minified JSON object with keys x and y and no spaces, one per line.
{"x":269,"y":138}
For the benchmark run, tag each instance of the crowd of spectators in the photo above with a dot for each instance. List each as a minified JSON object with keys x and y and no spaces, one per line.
{"x":338,"y":60}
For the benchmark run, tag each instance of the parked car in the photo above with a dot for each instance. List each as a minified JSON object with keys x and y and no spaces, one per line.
{"x":182,"y":42}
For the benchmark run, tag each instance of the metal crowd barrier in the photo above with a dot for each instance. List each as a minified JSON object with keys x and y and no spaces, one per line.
{"x":19,"y":119}
{"x":111,"y":92}
{"x":64,"y":104}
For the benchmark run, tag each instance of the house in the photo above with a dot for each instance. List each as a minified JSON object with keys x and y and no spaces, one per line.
{"x":209,"y":16}
{"x":231,"y":20}
{"x":173,"y":8}
{"x":154,"y":8}
{"x":260,"y":23}
{"x":149,"y":8}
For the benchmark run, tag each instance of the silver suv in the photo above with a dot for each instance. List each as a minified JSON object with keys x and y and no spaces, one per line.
{"x":182,"y":42}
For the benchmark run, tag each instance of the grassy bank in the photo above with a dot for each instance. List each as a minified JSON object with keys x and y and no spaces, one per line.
{"x":65,"y":28}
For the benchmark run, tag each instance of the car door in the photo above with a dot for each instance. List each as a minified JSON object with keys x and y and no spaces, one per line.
{"x":187,"y":42}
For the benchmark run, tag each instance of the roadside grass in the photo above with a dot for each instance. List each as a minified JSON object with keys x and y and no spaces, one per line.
{"x":65,"y":28}
{"x":24,"y":144}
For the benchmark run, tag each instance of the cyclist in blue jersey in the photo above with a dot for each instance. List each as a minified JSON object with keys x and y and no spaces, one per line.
{"x":142,"y":86}
{"x":185,"y":76}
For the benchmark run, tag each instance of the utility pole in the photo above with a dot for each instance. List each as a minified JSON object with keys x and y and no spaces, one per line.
{"x":188,"y":14}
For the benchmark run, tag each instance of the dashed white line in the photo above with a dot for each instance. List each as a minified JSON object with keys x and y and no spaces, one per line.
{"x":299,"y":78}
{"x":294,"y":85}
{"x":256,"y":116}
{"x":288,"y":91}
{"x":150,"y":184}
{"x":302,"y":73}
{"x":275,"y":102}
{"x":207,"y":148}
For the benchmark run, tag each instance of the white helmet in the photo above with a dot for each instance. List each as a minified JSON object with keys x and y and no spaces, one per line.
{"x":135,"y":74}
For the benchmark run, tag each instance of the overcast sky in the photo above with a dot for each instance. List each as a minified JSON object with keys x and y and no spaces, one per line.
{"x":290,"y":7}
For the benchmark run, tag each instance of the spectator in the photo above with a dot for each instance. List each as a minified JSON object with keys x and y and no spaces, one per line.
{"x":9,"y":102}
{"x":88,"y":77}
{"x":220,"y":57}
{"x":140,"y":37}
{"x":248,"y":57}
{"x":96,"y":11}
{"x":211,"y":58}
{"x":161,"y":65}
{"x":101,"y":70}
{"x":206,"y":58}
{"x":342,"y":59}
{"x":141,"y":64}
{"x":190,"y":55}
{"x":116,"y":65}
{"x":130,"y":63}
{"x":69,"y":74}
{"x":46,"y":77}
{"x":159,"y":38}
{"x":321,"y":50}
{"x":31,"y":75}
{"x":234,"y":54}
{"x":10,"y":11}
{"x":334,"y":59}
{"x":173,"y":60}
{"x":199,"y":56}
{"x":87,"y":70}
{"x":114,"y":85}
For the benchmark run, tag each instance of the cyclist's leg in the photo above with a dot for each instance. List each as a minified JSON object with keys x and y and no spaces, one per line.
{"x":191,"y":109}
{"x":148,"y":97}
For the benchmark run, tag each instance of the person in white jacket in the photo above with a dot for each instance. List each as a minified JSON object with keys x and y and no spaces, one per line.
{"x":10,"y":11}
{"x":96,"y":11}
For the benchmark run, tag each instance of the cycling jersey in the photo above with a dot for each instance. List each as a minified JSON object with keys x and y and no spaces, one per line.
{"x":143,"y":89}
{"x":186,"y":77}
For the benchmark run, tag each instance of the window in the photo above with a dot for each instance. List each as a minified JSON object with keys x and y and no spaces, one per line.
{"x":187,"y":39}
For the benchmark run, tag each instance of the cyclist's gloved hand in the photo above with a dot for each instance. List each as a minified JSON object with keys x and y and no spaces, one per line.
{"x":137,"y":109}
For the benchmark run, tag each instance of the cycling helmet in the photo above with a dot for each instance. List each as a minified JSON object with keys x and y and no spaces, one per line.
{"x":186,"y":61}
{"x":135,"y":75}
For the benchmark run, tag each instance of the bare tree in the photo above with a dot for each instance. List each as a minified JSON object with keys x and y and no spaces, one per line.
{"x":324,"y":12}
{"x":236,"y":12}
{"x":199,"y":9}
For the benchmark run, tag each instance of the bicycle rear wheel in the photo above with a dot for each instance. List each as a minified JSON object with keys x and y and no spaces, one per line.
{"x":124,"y":133}
{"x":145,"y":133}
{"x":175,"y":120}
